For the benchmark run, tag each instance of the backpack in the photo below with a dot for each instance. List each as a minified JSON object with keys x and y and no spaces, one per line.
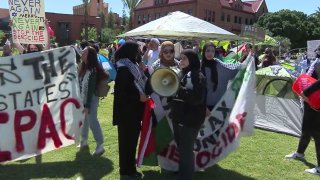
{"x":102,"y":88}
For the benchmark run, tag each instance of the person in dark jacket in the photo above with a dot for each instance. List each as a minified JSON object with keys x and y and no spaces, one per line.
{"x":188,"y":111}
{"x":128,"y":105}
{"x":310,"y":123}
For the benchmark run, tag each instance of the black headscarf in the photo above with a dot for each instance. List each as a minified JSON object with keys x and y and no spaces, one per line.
{"x":212,"y":64}
{"x":127,"y":50}
{"x":194,"y":62}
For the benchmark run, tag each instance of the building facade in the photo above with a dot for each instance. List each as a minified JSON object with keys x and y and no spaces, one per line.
{"x":95,"y":7}
{"x":227,"y":14}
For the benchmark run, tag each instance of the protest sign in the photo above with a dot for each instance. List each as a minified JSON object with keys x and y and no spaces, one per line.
{"x":28,"y":21}
{"x":40,"y":105}
{"x":220,"y":134}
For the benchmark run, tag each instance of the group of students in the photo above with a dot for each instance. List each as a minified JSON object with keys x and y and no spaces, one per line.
{"x":202,"y":84}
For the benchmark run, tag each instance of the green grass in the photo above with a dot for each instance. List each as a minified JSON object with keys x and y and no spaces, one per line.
{"x":260,"y":156}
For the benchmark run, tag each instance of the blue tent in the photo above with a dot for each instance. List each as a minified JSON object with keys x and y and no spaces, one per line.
{"x":108,"y":66}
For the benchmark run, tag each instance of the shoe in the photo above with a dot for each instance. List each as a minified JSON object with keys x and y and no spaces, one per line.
{"x":295,"y":155}
{"x":134,"y":175}
{"x":83,"y":145}
{"x":99,"y":150}
{"x":315,"y":171}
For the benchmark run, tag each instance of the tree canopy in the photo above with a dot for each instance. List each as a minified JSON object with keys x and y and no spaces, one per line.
{"x":294,"y":25}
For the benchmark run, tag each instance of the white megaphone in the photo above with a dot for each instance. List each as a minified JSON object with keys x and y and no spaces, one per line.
{"x":165,"y":81}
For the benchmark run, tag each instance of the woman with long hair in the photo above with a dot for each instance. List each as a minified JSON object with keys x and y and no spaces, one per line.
{"x":188,"y":111}
{"x":90,"y":74}
{"x":128,"y":105}
{"x":217,"y":73}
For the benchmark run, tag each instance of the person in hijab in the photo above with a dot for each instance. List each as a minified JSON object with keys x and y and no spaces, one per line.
{"x":188,"y":111}
{"x":166,"y":57}
{"x":128,"y":105}
{"x":217,"y":73}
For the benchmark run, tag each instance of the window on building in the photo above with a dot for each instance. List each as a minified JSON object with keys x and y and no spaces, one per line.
{"x":239,"y":20}
{"x":209,"y":16}
{"x":251,"y":21}
{"x":222,"y":16}
{"x":246,"y":21}
{"x":144,"y":19}
{"x":149,"y":17}
{"x":235,"y":19}
{"x":139,"y":19}
{"x":190,"y":11}
{"x":228,"y":18}
{"x":213,"y":16}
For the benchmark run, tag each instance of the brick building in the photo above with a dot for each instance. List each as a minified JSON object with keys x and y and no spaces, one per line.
{"x":95,"y":7}
{"x":227,"y":14}
{"x":67,"y":27}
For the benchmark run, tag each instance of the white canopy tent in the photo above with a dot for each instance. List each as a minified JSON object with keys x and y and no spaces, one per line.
{"x":179,"y":25}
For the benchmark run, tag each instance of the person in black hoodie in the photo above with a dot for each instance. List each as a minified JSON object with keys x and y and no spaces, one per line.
{"x":188,"y":111}
{"x":310,"y":121}
{"x":128,"y":105}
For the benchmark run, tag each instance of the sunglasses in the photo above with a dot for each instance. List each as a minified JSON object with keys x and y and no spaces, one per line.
{"x":168,"y":51}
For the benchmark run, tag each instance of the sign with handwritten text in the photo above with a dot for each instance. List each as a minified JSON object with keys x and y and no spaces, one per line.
{"x":40,"y":104}
{"x":28,"y":21}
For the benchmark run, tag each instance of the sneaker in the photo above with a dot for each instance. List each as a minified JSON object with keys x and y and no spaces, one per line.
{"x":314,"y":171}
{"x":83,"y":145}
{"x":99,"y":150}
{"x":295,"y":155}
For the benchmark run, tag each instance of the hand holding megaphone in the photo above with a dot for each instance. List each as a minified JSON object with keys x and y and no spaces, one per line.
{"x":165,"y":81}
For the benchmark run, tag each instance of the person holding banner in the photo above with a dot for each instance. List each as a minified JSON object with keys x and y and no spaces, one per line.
{"x":310,"y":121}
{"x":90,"y":74}
{"x":217,"y":73}
{"x":188,"y":111}
{"x":128,"y":105}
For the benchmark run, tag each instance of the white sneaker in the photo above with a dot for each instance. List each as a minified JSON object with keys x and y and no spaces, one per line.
{"x":99,"y":150}
{"x":314,"y":171}
{"x":295,"y":155}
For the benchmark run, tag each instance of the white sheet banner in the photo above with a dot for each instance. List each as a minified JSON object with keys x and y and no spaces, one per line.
{"x":40,"y":105}
{"x":28,"y":21}
{"x":220,"y":134}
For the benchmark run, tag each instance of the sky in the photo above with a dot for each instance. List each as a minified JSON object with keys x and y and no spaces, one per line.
{"x":65,"y":6}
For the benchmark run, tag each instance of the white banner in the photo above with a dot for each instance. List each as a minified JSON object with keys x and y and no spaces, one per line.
{"x":220,"y":134}
{"x":28,"y":21}
{"x":40,"y":105}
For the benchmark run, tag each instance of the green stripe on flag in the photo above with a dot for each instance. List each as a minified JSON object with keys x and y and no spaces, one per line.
{"x":163,"y":134}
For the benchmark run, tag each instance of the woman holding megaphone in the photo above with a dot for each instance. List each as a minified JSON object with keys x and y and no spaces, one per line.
{"x":311,"y":119}
{"x":188,"y":110}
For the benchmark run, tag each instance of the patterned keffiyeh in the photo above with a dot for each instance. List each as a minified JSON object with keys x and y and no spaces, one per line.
{"x":139,"y":77}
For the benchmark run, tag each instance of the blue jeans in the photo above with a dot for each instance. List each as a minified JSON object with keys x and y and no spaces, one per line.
{"x":92,"y":121}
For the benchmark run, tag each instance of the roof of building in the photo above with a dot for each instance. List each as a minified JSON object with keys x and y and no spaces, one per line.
{"x":248,"y":6}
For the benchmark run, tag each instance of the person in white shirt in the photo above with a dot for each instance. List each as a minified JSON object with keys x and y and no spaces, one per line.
{"x":152,"y":53}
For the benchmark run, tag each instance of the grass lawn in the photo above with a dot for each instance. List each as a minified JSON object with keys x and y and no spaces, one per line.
{"x":260,"y":156}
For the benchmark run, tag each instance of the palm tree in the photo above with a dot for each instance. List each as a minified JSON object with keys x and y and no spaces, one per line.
{"x":131,"y":5}
{"x":85,"y":2}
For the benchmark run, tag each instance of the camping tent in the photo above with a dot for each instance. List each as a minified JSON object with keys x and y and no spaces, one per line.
{"x":178,"y":25}
{"x":277,"y":107}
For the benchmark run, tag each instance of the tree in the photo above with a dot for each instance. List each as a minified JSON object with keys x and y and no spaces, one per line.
{"x":287,"y":23}
{"x":92,"y":33}
{"x":110,"y":20}
{"x":107,"y":35}
{"x":130,"y":5}
{"x":1,"y":35}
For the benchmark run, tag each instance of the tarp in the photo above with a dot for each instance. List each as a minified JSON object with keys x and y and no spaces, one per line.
{"x":179,"y":25}
{"x":108,"y":67}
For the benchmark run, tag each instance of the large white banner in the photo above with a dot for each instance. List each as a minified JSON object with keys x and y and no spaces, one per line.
{"x":221,"y":131}
{"x":40,"y":105}
{"x":28,"y":21}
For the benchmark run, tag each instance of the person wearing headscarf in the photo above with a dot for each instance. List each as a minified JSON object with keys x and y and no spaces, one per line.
{"x":188,"y":111}
{"x":128,"y":105}
{"x":217,"y":73}
{"x":166,"y":57}
{"x":310,"y":120}
{"x":152,"y":53}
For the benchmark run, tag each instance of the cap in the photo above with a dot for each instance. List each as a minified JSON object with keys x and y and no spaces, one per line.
{"x":155,"y":40}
